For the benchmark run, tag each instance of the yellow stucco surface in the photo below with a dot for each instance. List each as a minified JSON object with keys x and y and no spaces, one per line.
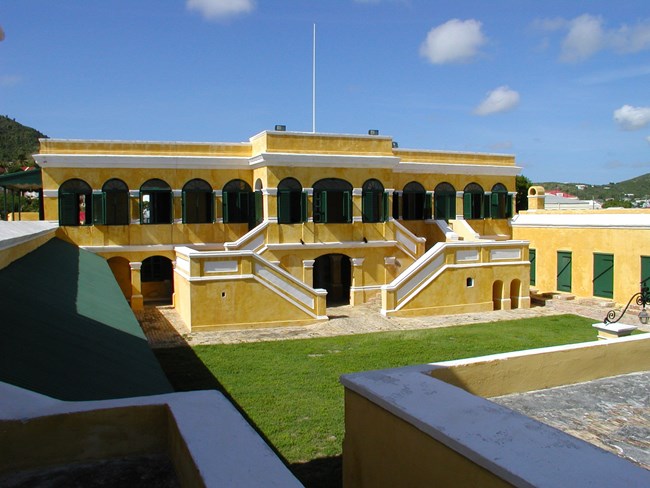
{"x":380,"y":251}
{"x":370,"y":453}
{"x":535,"y":370}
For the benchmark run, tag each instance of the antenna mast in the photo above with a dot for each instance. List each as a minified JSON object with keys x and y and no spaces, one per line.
{"x":313,"y":84}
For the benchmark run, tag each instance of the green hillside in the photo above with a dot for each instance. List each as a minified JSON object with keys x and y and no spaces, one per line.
{"x":17,"y":143}
{"x":635,"y":188}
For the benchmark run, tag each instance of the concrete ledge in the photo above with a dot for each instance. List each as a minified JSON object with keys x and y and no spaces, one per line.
{"x":515,"y":448}
{"x":208,"y":441}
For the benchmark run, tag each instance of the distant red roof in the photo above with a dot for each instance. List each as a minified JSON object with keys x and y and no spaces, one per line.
{"x":560,"y":193}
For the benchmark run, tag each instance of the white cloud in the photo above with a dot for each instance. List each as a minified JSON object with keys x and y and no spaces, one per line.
{"x":585,"y":37}
{"x":501,"y":99}
{"x":648,"y":139}
{"x":452,"y":42}
{"x":631,"y":39}
{"x":219,"y":9}
{"x":632,"y":118}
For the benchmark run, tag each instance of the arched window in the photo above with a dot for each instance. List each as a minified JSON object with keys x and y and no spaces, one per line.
{"x":75,"y":203}
{"x":198,"y":202}
{"x":500,"y":202}
{"x":238,"y":203}
{"x":473,"y":205}
{"x":444,"y":202}
{"x":156,"y":202}
{"x":374,"y":201}
{"x":416,"y":202}
{"x":292,"y":202}
{"x":332,"y":201}
{"x":111,"y":206}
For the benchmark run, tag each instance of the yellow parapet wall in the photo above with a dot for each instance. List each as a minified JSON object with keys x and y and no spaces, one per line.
{"x":537,"y":369}
{"x":425,"y":425}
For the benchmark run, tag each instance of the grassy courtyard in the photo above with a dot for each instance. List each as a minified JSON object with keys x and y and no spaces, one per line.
{"x":290,"y":390}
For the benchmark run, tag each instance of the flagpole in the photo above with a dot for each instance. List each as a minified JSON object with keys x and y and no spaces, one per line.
{"x":313,"y":83}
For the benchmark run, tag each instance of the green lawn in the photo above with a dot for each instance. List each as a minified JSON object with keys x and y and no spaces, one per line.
{"x":290,"y":389}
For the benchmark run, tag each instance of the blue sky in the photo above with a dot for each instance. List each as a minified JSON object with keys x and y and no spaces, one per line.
{"x":562,"y":85}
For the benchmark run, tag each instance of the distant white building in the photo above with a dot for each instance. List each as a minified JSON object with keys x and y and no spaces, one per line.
{"x":560,"y":202}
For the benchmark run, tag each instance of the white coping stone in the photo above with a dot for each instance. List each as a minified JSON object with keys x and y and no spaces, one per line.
{"x":15,"y":233}
{"x":583,"y":219}
{"x":619,"y":329}
{"x":226,"y":449}
{"x":516,"y":448}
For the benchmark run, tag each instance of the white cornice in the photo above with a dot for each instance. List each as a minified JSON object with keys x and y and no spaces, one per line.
{"x":139,"y":161}
{"x":323,"y":160}
{"x":457,"y":169}
{"x":639,"y":220}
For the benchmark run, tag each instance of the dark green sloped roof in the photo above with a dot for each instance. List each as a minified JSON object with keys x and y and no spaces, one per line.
{"x":67,"y":331}
{"x":22,"y":180}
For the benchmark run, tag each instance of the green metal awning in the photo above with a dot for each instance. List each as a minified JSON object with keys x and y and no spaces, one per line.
{"x":67,"y":331}
{"x":30,"y":180}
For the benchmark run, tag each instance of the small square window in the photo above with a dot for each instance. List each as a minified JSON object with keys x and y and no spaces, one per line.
{"x":470,"y":282}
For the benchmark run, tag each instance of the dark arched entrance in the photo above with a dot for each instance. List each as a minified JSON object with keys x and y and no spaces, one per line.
{"x":157,"y":277}
{"x":333,"y":272}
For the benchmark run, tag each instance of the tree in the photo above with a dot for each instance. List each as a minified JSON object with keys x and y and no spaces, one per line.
{"x":522,"y":185}
{"x":617,"y":203}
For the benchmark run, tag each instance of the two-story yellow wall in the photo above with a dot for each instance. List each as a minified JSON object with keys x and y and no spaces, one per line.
{"x":373,"y":253}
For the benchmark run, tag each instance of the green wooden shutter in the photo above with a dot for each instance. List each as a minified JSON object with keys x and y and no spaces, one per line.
{"x":347,"y":206}
{"x":645,"y":270}
{"x":396,"y":205}
{"x":467,"y":206}
{"x":428,"y":205}
{"x":603,"y":275}
{"x":508,"y":206}
{"x":384,"y":206}
{"x":303,"y":206}
{"x":485,"y":208}
{"x":564,"y":271}
{"x":368,"y":212}
{"x":284,"y":206}
{"x":99,"y":208}
{"x":532,"y":256}
{"x":494,"y":204}
{"x":225,"y":207}
{"x":184,"y":205}
{"x":68,"y":210}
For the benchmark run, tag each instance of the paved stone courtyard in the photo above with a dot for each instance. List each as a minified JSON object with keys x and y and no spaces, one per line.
{"x":165,"y":328}
{"x":612,"y":413}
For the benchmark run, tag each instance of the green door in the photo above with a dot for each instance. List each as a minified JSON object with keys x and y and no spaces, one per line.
{"x":645,"y":270}
{"x":532,"y":255}
{"x":564,"y":271}
{"x":603,"y":275}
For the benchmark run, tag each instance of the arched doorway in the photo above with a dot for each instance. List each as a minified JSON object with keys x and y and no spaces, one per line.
{"x":157,"y":279}
{"x":497,"y":295}
{"x":333,"y":272}
{"x":515,"y":293}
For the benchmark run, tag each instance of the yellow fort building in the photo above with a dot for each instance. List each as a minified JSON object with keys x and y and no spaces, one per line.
{"x":273,"y":230}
